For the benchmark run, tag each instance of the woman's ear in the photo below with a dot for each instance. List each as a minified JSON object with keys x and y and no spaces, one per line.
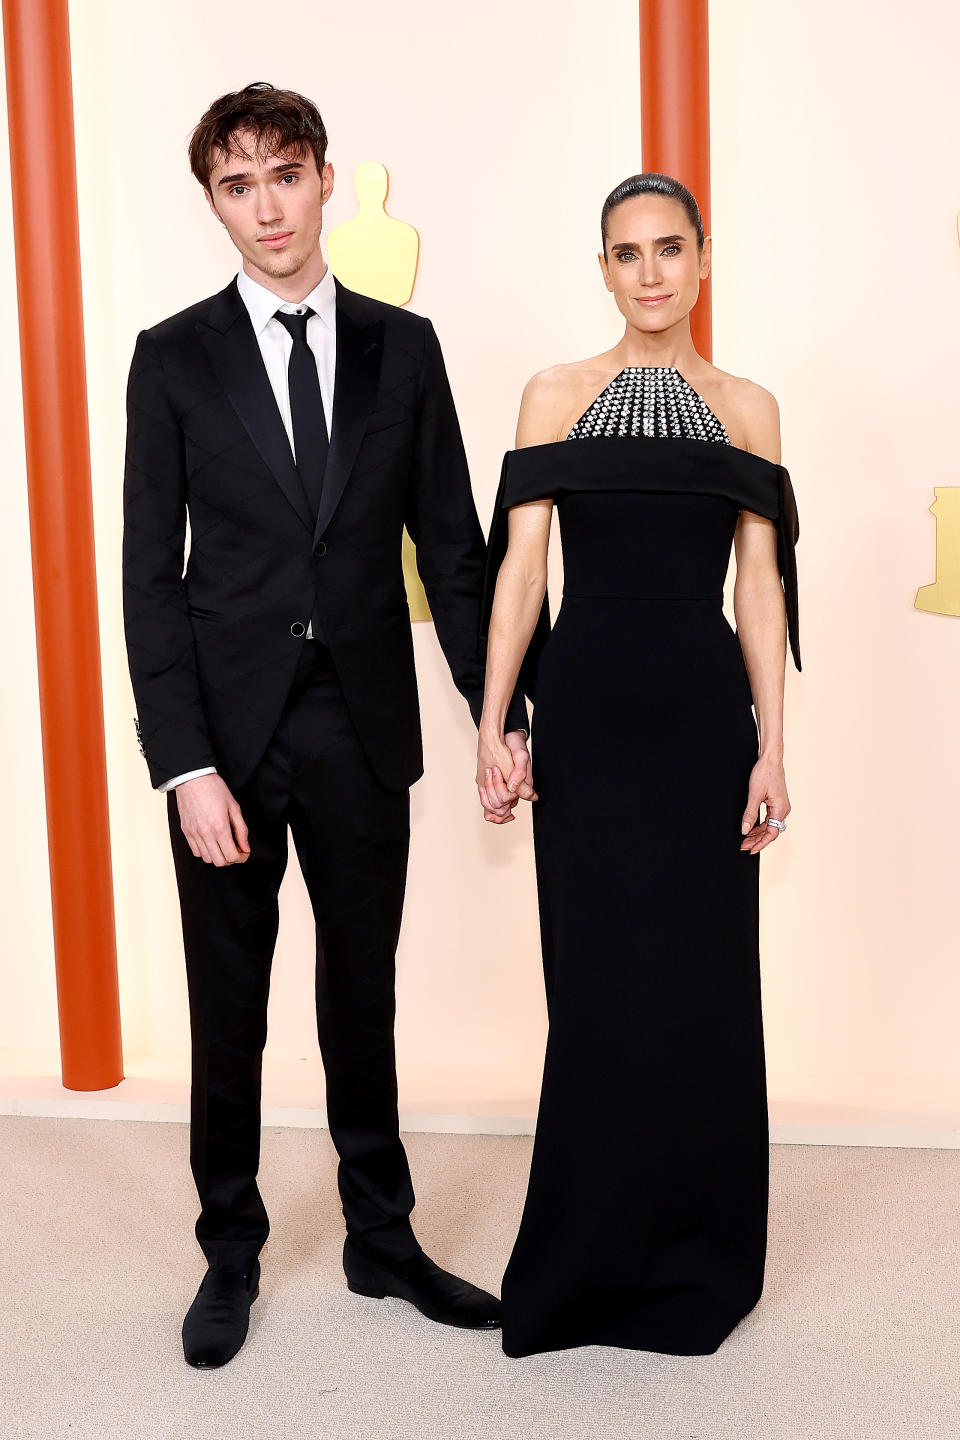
{"x":604,"y":270}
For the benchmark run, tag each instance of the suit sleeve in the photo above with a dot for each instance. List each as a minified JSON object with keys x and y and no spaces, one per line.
{"x":442,"y":520}
{"x":160,"y":650}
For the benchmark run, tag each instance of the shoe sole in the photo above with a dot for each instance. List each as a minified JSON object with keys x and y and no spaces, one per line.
{"x":373,"y":1294}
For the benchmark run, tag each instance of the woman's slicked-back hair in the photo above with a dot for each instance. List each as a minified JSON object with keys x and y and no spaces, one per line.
{"x":282,"y":120}
{"x":651,"y":183}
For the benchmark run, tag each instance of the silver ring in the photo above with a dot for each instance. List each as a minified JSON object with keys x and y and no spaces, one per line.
{"x":780,"y":825}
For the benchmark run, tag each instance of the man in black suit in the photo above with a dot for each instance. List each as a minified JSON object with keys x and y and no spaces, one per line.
{"x":300,"y":426}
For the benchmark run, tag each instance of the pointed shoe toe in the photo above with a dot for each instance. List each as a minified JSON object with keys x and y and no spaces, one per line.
{"x":436,"y":1293}
{"x":216,"y":1324}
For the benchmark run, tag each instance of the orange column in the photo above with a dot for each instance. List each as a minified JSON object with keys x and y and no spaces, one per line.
{"x":675,"y":113}
{"x":46,"y":232}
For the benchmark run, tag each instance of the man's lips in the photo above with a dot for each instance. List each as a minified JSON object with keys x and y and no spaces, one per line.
{"x":274,"y":242}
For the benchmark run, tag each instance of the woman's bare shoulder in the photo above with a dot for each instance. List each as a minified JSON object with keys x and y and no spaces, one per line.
{"x":561,"y":382}
{"x":554,"y":396}
{"x":749,"y":412}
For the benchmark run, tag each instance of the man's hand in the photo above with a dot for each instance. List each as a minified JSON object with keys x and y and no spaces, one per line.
{"x":210,"y":819}
{"x":504,"y":776}
{"x":520,"y":779}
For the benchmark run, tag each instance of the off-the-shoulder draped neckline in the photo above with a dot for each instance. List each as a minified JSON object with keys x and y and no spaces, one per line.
{"x":689,"y":447}
{"x":664,"y":463}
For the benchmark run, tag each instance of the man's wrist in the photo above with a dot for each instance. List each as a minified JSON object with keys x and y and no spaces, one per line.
{"x":182,"y":779}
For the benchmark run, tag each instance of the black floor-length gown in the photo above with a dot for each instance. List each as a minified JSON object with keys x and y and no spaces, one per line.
{"x":645,"y":1218}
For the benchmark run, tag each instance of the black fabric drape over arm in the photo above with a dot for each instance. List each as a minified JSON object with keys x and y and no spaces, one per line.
{"x":668,"y":465}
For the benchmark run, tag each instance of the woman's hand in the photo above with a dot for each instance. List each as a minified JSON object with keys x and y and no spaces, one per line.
{"x":768,"y":786}
{"x":503,"y":775}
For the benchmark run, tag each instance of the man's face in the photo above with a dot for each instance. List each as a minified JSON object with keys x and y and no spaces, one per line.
{"x":271,"y":204}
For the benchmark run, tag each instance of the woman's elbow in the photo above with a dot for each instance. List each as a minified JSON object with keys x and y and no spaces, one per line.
{"x":526,"y":575}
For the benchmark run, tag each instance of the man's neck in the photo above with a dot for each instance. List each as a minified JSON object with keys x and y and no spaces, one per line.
{"x":292,"y":288}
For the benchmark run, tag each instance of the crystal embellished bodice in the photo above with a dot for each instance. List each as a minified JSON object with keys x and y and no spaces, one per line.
{"x":650,"y":400}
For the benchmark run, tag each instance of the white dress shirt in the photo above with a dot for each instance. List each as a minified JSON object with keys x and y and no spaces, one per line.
{"x":276,"y":343}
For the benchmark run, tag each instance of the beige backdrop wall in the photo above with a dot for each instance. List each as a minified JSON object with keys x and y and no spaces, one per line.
{"x":837,"y":286}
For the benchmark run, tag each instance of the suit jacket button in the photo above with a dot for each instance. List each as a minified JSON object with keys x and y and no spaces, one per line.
{"x":320,"y":548}
{"x":298,"y":628}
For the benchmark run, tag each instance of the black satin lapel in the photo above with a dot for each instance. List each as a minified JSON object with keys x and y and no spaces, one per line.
{"x":238,"y":365}
{"x":359,"y":351}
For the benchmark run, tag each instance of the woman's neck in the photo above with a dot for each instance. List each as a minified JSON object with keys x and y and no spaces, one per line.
{"x":668,"y":347}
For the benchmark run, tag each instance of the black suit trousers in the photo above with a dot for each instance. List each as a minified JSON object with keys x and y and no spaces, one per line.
{"x":351,"y":835}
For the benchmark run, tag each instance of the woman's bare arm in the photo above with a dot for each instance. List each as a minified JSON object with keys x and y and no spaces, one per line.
{"x":521,"y":585}
{"x":761,"y":628}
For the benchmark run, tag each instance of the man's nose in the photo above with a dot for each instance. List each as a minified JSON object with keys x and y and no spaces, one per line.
{"x":269,"y":208}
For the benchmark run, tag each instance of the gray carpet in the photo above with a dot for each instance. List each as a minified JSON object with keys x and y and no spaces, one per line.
{"x":857,"y":1334}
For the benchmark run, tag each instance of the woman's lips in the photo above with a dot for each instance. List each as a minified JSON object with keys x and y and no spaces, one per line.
{"x":652,"y":299}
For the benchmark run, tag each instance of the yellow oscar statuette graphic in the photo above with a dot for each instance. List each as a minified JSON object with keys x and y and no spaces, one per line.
{"x":943,"y":596}
{"x":377,"y":255}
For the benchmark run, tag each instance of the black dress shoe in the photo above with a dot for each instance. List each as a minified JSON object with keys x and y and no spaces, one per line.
{"x":216,"y":1324}
{"x":436,"y":1293}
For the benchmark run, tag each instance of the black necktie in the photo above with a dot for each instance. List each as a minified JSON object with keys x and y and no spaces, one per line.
{"x":306,"y":407}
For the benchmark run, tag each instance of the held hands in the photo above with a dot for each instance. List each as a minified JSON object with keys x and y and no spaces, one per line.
{"x":767,"y":785}
{"x":504,"y":775}
{"x":210,"y":819}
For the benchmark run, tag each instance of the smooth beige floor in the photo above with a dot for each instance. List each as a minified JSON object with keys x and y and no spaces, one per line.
{"x":857,"y":1334}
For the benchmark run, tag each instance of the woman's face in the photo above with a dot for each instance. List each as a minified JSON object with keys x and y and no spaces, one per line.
{"x":652,"y":265}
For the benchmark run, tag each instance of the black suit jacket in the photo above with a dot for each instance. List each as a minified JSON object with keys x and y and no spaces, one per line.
{"x":210,"y":647}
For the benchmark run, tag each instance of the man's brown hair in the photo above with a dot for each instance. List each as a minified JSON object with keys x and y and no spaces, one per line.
{"x":282,"y":120}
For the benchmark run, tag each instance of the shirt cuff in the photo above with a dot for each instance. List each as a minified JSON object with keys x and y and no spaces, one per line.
{"x":182,"y":779}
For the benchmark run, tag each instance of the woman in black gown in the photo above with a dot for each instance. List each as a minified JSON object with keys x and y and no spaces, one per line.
{"x":645,"y":1218}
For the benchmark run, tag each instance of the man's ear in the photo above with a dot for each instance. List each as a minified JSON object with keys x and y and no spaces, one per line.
{"x":327,"y":181}
{"x":206,"y":191}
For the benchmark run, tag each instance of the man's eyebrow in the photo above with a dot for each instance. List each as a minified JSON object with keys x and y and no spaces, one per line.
{"x":657,"y":240}
{"x":281,"y":165}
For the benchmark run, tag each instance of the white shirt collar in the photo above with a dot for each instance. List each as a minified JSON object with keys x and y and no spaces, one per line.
{"x":262,"y":304}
